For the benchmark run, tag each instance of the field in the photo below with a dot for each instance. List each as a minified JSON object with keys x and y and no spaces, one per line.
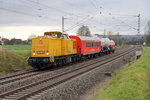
{"x":18,"y":48}
{"x":14,"y":58}
{"x":131,"y":83}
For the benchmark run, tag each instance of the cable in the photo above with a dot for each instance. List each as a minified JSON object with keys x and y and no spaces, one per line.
{"x":92,"y":3}
{"x":99,"y":12}
{"x":78,"y":24}
{"x":38,"y":3}
{"x":74,"y":6}
{"x":124,"y":23}
{"x":124,"y":15}
{"x":15,"y":11}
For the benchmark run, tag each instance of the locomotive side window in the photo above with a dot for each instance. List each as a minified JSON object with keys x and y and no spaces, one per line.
{"x":48,"y":35}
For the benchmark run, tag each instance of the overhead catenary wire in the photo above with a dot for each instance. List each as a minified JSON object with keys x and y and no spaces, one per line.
{"x":39,"y":6}
{"x":74,"y":6}
{"x":93,"y":4}
{"x":131,"y":27}
{"x":78,"y":24}
{"x":99,"y":12}
{"x":19,"y":12}
{"x":124,"y":23}
{"x":44,"y":5}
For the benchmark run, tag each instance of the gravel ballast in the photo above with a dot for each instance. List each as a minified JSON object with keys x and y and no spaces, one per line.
{"x":73,"y":89}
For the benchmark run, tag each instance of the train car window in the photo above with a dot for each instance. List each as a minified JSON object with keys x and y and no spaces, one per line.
{"x":94,"y":44}
{"x":88,"y":44}
{"x":91,"y":44}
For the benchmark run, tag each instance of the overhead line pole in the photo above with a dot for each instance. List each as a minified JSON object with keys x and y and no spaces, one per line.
{"x":63,"y":23}
{"x":138,"y":28}
{"x":138,"y":24}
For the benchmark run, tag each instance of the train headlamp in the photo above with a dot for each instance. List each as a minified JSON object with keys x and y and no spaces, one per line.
{"x":33,"y":53}
{"x":47,"y":53}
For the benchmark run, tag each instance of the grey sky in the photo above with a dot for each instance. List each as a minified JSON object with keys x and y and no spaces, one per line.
{"x":20,"y":18}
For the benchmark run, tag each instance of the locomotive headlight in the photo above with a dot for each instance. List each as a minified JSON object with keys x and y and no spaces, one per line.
{"x":33,"y":53}
{"x":47,"y":53}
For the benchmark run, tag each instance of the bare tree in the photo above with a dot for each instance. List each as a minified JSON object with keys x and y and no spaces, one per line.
{"x":84,"y":31}
{"x":31,"y":37}
{"x":109,"y":34}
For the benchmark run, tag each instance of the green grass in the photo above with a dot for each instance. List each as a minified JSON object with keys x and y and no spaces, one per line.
{"x":13,"y":58}
{"x":131,"y":83}
{"x":120,"y":47}
{"x":18,"y":48}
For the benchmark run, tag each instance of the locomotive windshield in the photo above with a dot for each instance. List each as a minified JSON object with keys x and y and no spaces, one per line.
{"x":66,"y":36}
{"x":53,"y":35}
{"x":59,"y":35}
{"x":56,"y":35}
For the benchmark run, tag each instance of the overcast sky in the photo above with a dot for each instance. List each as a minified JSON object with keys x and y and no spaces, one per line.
{"x":20,"y":18}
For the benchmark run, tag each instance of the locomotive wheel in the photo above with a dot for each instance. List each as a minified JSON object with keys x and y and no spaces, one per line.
{"x":60,"y":62}
{"x":55,"y":64}
{"x":64,"y":62}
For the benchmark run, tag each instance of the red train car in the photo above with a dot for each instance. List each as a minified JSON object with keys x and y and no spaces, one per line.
{"x":87,"y":45}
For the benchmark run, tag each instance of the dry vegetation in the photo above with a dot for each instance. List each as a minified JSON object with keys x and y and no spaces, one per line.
{"x":11,"y":61}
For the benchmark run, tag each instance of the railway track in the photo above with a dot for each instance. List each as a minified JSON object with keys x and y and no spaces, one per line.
{"x":16,"y":74}
{"x":29,"y":90}
{"x":26,"y":74}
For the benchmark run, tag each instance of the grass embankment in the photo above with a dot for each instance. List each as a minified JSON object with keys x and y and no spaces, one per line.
{"x":13,"y":58}
{"x":120,"y":47}
{"x":131,"y":83}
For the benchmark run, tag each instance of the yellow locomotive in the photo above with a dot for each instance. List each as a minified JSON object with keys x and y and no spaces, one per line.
{"x":54,"y":48}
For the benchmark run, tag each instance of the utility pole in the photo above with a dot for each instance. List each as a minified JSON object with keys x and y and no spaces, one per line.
{"x":138,"y":29}
{"x":63,"y":23}
{"x":138,"y":24}
{"x":104,"y":32}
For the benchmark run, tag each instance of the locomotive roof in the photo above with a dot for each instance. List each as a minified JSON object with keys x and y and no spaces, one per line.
{"x":56,"y":32}
{"x":89,"y":38}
